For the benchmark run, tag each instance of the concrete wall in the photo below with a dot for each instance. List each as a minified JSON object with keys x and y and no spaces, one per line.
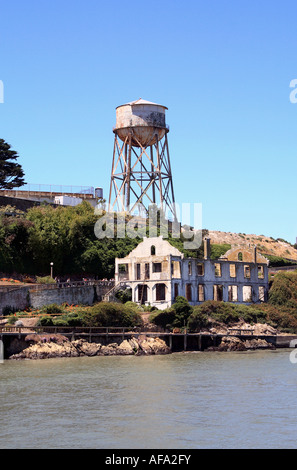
{"x":84,"y":295}
{"x":20,"y":298}
{"x":17,"y":299}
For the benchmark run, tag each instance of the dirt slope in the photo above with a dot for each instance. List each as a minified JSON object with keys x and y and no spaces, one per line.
{"x":266,"y":245}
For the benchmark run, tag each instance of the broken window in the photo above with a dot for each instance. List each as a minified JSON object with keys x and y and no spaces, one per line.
{"x":200,"y":293}
{"x":142,"y":293}
{"x":247,"y":293}
{"x":157,"y":267}
{"x":200,"y":269}
{"x":232,"y":270}
{"x":217,"y":292}
{"x":260,"y":272}
{"x":218,"y":270}
{"x":123,"y":271}
{"x":160,"y":291}
{"x":261,"y":293}
{"x":232,"y":294}
{"x":247,"y":271}
{"x":189,"y":292}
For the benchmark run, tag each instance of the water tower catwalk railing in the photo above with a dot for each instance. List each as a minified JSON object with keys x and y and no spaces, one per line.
{"x":141,"y":171}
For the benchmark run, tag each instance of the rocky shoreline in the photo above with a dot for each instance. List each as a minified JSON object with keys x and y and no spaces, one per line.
{"x":233,"y":343}
{"x":55,"y":346}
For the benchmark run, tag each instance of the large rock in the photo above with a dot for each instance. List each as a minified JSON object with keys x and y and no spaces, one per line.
{"x":232,"y":343}
{"x":44,"y":347}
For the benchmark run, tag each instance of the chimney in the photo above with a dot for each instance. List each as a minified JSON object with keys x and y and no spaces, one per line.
{"x":206,"y":248}
{"x":255,"y":254}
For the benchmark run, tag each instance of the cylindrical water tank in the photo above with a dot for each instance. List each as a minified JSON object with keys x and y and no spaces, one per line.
{"x":145,"y":119}
{"x":99,"y":193}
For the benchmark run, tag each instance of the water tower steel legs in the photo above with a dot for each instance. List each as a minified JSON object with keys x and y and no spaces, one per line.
{"x":141,"y":176}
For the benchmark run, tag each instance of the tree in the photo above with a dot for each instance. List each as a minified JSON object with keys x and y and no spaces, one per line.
{"x":11,"y":172}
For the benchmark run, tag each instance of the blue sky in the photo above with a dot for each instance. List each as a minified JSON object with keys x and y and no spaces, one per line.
{"x":223,"y":69}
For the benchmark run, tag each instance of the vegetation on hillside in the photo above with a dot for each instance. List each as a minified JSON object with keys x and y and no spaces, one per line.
{"x":30,"y":241}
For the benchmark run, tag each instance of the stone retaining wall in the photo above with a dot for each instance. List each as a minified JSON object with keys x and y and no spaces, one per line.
{"x":22,"y":297}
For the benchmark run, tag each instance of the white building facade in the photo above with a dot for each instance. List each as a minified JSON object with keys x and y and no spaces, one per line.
{"x":157,"y":273}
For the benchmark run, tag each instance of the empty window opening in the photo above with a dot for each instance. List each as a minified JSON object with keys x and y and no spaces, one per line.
{"x":232,"y":294}
{"x":175,"y":269}
{"x":189,"y":292}
{"x":175,"y":291}
{"x":247,"y":293}
{"x":142,"y":293}
{"x":153,"y":250}
{"x":261,"y":293}
{"x":218,"y":269}
{"x":157,"y":267}
{"x":232,"y":270}
{"x":190,"y":268}
{"x":138,"y":272}
{"x":147,"y":271}
{"x":240,"y":257}
{"x":200,"y":269}
{"x":201,"y":293}
{"x":217,"y":292}
{"x":123,"y":271}
{"x":260,"y":272}
{"x":247,"y":271}
{"x":160,"y":292}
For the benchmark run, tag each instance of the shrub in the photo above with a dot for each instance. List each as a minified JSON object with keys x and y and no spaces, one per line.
{"x":283,"y":290}
{"x":124,"y":295}
{"x":197,"y":320}
{"x":52,"y":308}
{"x":45,"y":280}
{"x":45,"y":321}
{"x":182,"y":310}
{"x":111,"y":314}
{"x":164,"y":318}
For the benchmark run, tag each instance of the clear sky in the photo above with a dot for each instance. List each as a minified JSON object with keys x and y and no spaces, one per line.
{"x":223,"y":69}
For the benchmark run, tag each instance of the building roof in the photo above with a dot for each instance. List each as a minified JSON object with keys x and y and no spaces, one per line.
{"x":140,"y":101}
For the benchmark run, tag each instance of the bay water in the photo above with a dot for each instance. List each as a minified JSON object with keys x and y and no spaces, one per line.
{"x":189,"y":400}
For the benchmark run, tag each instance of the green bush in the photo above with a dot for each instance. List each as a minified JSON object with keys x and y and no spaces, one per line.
{"x":52,"y":308}
{"x":124,"y":295}
{"x":45,"y":321}
{"x":45,"y":280}
{"x":111,"y":314}
{"x":283,"y":290}
{"x":164,"y":318}
{"x":175,"y":316}
{"x":198,"y":320}
{"x":182,"y":310}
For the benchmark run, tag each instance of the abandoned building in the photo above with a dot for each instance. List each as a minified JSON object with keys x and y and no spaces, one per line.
{"x":157,"y":273}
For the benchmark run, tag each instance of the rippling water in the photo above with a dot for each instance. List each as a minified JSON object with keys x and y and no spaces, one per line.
{"x":183,"y":400}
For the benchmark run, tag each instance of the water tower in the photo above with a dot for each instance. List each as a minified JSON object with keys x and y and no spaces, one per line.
{"x":141,"y":171}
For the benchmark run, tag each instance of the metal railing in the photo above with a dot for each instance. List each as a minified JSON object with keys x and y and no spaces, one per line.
{"x":110,"y":330}
{"x":56,"y":188}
